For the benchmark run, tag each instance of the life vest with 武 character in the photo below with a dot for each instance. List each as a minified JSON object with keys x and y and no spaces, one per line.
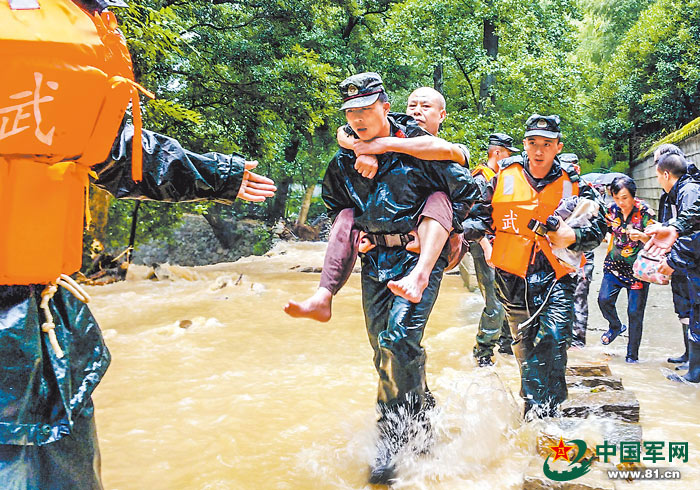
{"x":65,"y":84}
{"x":515,"y":203}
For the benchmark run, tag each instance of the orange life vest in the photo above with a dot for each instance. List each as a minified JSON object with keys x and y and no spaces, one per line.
{"x":484,"y":170}
{"x":515,"y":203}
{"x":65,"y":84}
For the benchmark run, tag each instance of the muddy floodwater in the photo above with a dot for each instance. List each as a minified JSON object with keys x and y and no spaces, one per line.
{"x":212,"y":386}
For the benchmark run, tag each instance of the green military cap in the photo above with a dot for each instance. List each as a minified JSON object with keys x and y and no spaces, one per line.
{"x":361,"y":90}
{"x":502,"y":139}
{"x":547,"y":126}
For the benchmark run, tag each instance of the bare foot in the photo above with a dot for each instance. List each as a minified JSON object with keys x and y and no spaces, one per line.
{"x":410,"y":287}
{"x":317,"y":307}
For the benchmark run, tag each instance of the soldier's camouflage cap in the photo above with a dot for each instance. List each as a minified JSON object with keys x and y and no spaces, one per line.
{"x":360,"y":90}
{"x":502,"y":139}
{"x":547,"y":126}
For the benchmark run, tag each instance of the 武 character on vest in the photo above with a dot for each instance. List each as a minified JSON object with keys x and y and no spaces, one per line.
{"x":535,"y":288}
{"x":64,"y":88}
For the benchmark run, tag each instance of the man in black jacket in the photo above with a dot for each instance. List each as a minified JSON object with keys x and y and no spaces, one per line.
{"x":387,"y":208}
{"x":681,"y":185}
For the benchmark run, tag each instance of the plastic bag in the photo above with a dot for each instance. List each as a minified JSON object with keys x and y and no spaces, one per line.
{"x":576,"y":212}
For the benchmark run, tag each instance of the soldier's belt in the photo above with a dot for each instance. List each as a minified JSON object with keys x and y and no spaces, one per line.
{"x":390,"y":239}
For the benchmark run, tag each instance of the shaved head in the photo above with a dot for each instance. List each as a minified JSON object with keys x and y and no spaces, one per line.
{"x":427,"y":107}
{"x":429,"y":93}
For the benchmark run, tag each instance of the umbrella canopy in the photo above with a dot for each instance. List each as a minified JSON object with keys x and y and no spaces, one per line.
{"x":597,"y":178}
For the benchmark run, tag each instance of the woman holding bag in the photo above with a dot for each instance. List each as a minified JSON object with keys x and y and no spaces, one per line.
{"x":626,"y":218}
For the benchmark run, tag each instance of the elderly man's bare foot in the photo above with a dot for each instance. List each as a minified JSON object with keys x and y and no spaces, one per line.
{"x":410,"y":287}
{"x":317,"y":307}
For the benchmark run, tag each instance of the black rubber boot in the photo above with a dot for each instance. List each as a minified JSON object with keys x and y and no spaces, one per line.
{"x":399,"y":425}
{"x":693,"y":374}
{"x":383,"y":470}
{"x":684,"y":357}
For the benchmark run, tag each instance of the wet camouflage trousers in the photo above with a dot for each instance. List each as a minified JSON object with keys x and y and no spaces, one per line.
{"x":493,"y":327}
{"x":584,"y":276}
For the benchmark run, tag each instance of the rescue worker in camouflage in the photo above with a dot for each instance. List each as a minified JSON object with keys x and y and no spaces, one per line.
{"x":584,"y":276}
{"x":387,"y":208}
{"x":47,"y":429}
{"x":534,"y":287}
{"x":493,"y":327}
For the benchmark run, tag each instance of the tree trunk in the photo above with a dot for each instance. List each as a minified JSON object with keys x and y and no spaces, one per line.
{"x":491,"y":47}
{"x":437,"y":78}
{"x":132,"y":233}
{"x":276,"y":211}
{"x":305,"y":205}
{"x":224,"y":229}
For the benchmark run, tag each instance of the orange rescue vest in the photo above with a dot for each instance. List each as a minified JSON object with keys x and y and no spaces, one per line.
{"x":484,"y":170}
{"x":65,"y":85}
{"x":515,"y":203}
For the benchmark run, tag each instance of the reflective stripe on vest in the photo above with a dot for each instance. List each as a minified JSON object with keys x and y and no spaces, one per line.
{"x":65,"y":84}
{"x":515,"y":203}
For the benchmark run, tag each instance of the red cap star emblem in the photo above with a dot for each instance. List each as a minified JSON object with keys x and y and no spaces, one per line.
{"x":561,"y":451}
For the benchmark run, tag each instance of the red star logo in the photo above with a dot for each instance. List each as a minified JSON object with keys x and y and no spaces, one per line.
{"x":561,"y":450}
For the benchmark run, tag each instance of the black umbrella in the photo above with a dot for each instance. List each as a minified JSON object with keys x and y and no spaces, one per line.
{"x":597,"y":178}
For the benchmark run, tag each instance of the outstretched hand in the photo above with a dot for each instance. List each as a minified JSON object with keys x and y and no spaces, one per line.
{"x":663,"y":238}
{"x":255,"y":188}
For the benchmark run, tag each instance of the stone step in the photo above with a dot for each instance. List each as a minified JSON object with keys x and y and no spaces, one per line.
{"x":609,"y":382}
{"x":588,"y":370}
{"x":595,"y":480}
{"x":593,"y":431}
{"x":617,"y":404}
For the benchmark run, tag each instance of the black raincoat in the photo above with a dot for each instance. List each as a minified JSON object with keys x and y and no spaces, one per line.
{"x":688,"y":220}
{"x":47,"y":433}
{"x":684,"y":193}
{"x":391,"y":203}
{"x":540,"y":344}
{"x":684,"y":258}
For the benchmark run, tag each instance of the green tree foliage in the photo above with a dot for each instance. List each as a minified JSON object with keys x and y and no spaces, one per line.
{"x":259,"y":77}
{"x":651,"y":85}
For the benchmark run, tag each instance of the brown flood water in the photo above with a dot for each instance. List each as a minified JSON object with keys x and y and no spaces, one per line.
{"x":248,"y":398}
